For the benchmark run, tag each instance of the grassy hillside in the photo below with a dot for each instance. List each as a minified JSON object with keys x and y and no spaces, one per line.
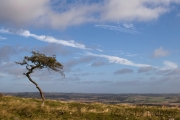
{"x":15,"y":108}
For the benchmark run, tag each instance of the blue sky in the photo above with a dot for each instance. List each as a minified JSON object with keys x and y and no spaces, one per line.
{"x":106,"y":46}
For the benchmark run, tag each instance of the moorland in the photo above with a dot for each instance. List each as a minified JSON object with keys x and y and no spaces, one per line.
{"x":79,"y":106}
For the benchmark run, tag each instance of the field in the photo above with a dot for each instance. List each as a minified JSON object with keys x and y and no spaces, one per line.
{"x":17,"y":108}
{"x":148,"y":99}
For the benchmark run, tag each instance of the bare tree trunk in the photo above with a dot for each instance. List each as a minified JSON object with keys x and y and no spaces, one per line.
{"x":40,"y":91}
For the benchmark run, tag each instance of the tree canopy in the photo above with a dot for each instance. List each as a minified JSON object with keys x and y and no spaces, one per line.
{"x":40,"y":61}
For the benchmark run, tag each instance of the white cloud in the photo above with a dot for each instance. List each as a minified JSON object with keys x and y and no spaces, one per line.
{"x":131,"y":26}
{"x":135,"y":10}
{"x":160,"y":52}
{"x":43,"y":13}
{"x":126,"y":28}
{"x":22,"y":12}
{"x":2,"y":30}
{"x":62,"y":14}
{"x":118,"y":60}
{"x":49,"y":39}
{"x":168,"y":65}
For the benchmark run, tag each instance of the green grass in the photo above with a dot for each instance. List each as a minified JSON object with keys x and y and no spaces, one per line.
{"x":16,"y":108}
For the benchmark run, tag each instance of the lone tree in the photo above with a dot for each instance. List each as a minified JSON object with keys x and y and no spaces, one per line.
{"x":40,"y":61}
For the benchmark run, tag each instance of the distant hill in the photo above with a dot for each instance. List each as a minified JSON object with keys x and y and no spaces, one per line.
{"x":152,"y":99}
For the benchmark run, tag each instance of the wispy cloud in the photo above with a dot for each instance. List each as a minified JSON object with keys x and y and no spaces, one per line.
{"x":160,"y":52}
{"x":131,"y":55}
{"x":169,"y":68}
{"x":2,"y":38}
{"x":178,"y":15}
{"x":44,"y":38}
{"x":118,"y":60}
{"x":126,"y":28}
{"x":2,"y":30}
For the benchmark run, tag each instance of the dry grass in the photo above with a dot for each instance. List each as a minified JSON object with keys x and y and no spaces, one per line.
{"x":15,"y":108}
{"x":1,"y":95}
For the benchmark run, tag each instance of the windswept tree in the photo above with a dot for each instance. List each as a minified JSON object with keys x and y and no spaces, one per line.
{"x":40,"y":61}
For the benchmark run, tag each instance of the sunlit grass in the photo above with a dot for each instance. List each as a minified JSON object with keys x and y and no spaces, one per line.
{"x":15,"y":108}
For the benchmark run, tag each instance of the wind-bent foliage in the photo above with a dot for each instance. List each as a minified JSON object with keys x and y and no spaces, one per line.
{"x":40,"y":61}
